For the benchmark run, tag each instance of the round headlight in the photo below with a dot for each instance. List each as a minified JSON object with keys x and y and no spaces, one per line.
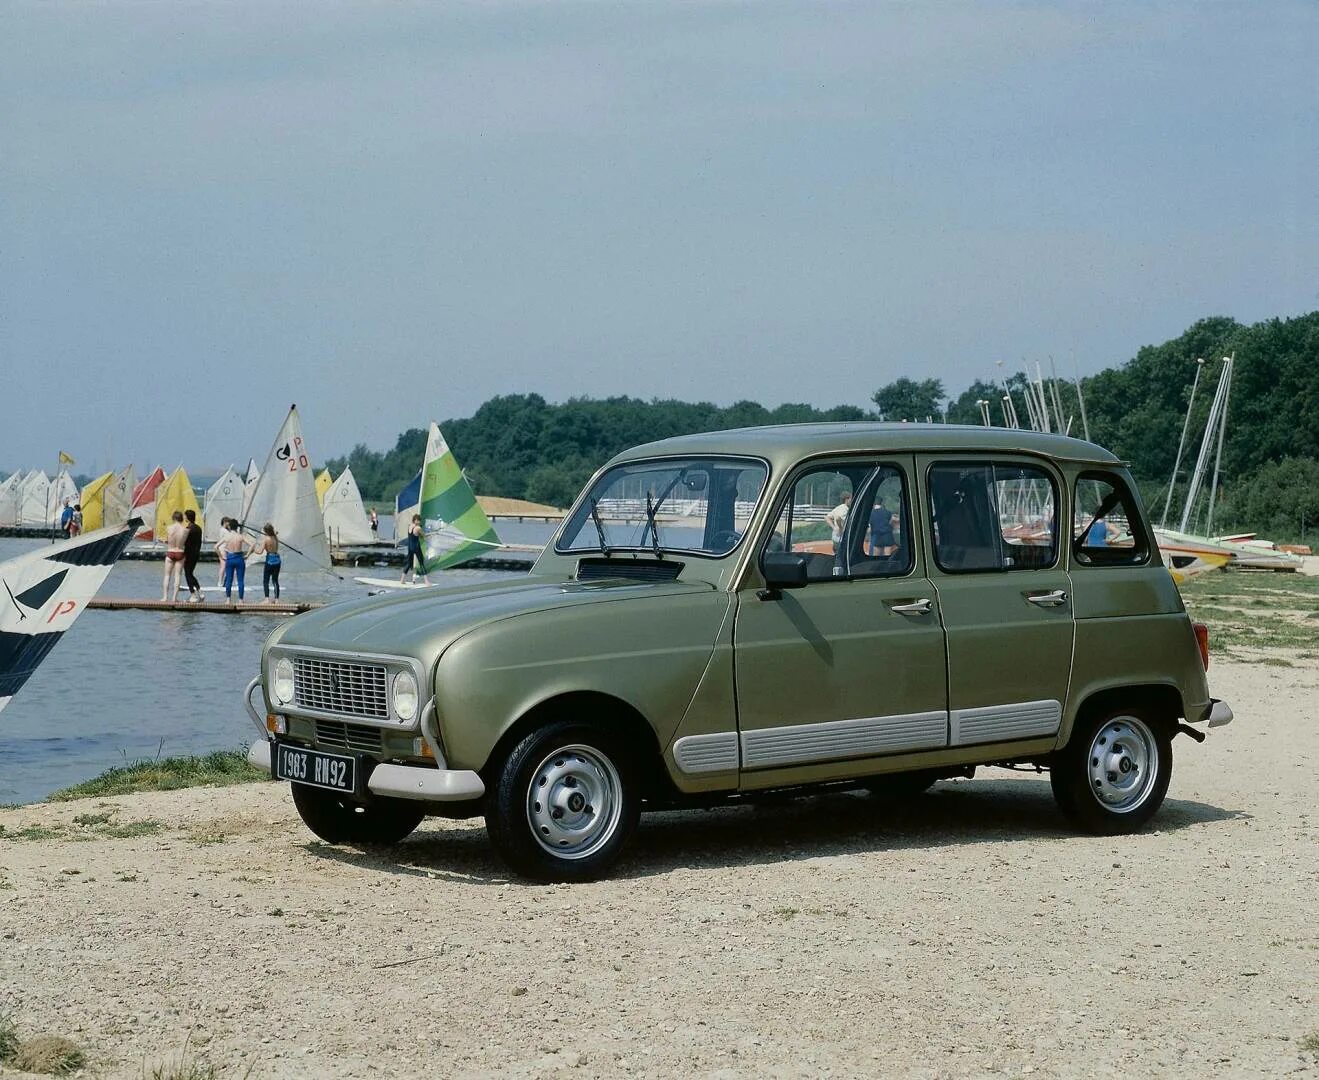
{"x":405,"y":696}
{"x":281,"y":686}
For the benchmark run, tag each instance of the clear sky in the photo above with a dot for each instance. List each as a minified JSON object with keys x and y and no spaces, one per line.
{"x":390,"y":212}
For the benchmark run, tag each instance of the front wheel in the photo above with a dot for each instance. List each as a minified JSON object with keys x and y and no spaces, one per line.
{"x":563,"y":804}
{"x":337,"y":820}
{"x":1113,"y":774}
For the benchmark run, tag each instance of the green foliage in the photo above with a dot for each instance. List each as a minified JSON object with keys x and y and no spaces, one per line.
{"x":907,"y":399}
{"x":217,"y":769}
{"x":1280,"y":499}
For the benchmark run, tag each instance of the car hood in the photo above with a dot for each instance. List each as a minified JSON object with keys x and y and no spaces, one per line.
{"x":422,"y":623}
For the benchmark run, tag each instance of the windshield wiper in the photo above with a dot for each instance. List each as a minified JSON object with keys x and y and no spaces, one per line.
{"x":599,"y":528}
{"x":651,"y":509}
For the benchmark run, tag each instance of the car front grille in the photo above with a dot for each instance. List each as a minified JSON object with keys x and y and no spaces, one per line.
{"x":340,"y":686}
{"x":341,"y":736}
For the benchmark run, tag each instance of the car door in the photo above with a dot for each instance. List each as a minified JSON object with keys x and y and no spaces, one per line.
{"x":1004,"y":595}
{"x":850,"y":667}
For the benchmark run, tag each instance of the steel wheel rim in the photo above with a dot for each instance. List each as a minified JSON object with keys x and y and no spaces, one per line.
{"x":1123,"y":764}
{"x":574,"y":802}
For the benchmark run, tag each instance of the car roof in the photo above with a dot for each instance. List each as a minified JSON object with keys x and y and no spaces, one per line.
{"x":785,"y":443}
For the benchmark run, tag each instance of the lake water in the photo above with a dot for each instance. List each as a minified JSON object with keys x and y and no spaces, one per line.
{"x":123,"y":685}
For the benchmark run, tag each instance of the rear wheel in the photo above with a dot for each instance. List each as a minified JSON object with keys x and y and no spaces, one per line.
{"x":337,"y":820}
{"x":1113,"y":774}
{"x":564,"y":803}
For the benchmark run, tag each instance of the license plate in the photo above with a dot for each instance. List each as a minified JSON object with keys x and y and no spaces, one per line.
{"x":333,"y":771}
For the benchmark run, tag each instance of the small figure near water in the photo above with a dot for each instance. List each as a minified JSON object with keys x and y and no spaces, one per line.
{"x":232,"y":550}
{"x":269,"y":546}
{"x":66,"y":515}
{"x":415,"y":553}
{"x":192,"y":551}
{"x":375,"y":525}
{"x":75,"y":520}
{"x":175,"y":536}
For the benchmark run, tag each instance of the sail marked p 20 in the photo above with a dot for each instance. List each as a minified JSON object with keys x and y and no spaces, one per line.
{"x":285,"y":496}
{"x":43,"y":592}
{"x":455,"y":527}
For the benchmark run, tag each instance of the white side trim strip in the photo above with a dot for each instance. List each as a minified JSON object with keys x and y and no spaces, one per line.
{"x":862,"y":737}
{"x":1001,"y":723}
{"x":707,"y":753}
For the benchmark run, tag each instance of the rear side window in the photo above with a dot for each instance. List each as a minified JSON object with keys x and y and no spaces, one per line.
{"x":993,"y":516}
{"x":1107,"y":530}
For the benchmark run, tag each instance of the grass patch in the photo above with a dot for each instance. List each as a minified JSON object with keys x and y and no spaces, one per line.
{"x":92,"y":819}
{"x":218,"y":769}
{"x":146,"y":827}
{"x":8,"y":1039}
{"x":1275,"y":661}
{"x":32,"y":832}
{"x":53,"y":1055}
{"x":1309,"y":1043}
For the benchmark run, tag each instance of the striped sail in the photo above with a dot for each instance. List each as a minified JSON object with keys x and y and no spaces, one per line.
{"x":92,"y":501}
{"x":44,"y":592}
{"x":455,"y":527}
{"x":118,"y":504}
{"x":285,"y":496}
{"x":144,"y":503}
{"x":10,"y":495}
{"x":224,"y":499}
{"x":345,"y":516}
{"x":175,"y":495}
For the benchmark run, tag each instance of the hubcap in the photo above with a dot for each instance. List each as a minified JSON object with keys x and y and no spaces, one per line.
{"x":574,"y":802}
{"x":1123,"y":764}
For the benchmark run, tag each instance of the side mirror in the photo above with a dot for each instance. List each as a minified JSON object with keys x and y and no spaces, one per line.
{"x":784,"y":569}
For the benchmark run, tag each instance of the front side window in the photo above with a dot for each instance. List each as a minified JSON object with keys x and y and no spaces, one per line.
{"x":850,"y":520}
{"x":1107,"y":529}
{"x":696,"y":505}
{"x":993,"y":516}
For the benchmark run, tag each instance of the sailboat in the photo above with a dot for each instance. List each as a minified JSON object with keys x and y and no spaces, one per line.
{"x":10,"y":495}
{"x":44,"y":592}
{"x":92,"y":501}
{"x":144,"y":503}
{"x":323,"y":483}
{"x":454,"y":527}
{"x":34,"y":496}
{"x":118,"y":500}
{"x":252,"y":475}
{"x":61,"y":488}
{"x":344,"y":515}
{"x":224,"y":499}
{"x":406,"y":503}
{"x":285,"y":496}
{"x":175,"y":495}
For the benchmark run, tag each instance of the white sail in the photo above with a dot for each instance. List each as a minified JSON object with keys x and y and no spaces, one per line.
{"x":10,"y":493}
{"x":33,"y":499}
{"x":252,"y":475}
{"x":285,"y":496}
{"x":61,"y":488}
{"x":224,"y":499}
{"x":44,"y":592}
{"x":345,"y":516}
{"x":119,"y":497}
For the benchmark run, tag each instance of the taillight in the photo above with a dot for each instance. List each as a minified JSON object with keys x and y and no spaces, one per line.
{"x":1202,"y":641}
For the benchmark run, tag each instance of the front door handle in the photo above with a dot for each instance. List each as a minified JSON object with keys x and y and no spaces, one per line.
{"x":1048,"y":599}
{"x":913,"y":607}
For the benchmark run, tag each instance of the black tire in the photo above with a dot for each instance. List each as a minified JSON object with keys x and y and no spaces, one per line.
{"x":337,"y":820}
{"x":899,"y":787}
{"x":1113,"y":774}
{"x":576,"y":765}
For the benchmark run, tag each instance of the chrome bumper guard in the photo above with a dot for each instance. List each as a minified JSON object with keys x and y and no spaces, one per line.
{"x":1220,"y":714}
{"x":393,"y":781}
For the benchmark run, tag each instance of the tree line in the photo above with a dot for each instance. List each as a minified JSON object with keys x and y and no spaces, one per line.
{"x":521,"y":446}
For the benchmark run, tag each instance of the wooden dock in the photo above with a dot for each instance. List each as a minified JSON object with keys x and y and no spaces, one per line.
{"x":218,"y":607}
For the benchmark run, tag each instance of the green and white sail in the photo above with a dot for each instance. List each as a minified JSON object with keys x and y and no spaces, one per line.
{"x":454,"y":525}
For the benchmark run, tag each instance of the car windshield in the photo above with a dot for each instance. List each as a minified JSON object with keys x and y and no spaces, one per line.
{"x":698,"y":505}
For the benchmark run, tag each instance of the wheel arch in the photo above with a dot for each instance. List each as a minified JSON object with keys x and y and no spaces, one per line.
{"x":1162,"y":699}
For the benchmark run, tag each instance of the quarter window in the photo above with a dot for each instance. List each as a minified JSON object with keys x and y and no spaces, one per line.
{"x":1107,"y":529}
{"x":993,"y":517}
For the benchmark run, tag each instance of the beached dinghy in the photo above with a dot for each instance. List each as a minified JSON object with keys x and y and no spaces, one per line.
{"x":44,"y":592}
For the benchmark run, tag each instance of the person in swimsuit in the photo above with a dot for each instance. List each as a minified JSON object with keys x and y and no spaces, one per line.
{"x":415,"y":553}
{"x":75,"y":522}
{"x":175,"y":535}
{"x":269,"y":546}
{"x":192,"y":551}
{"x":233,"y":550}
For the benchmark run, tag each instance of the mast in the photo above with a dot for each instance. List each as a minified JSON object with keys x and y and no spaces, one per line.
{"x":1202,"y":460}
{"x":1181,"y":443}
{"x":1222,"y":431}
{"x":1080,"y":398}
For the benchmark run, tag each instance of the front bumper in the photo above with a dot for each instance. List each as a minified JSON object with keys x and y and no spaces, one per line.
{"x":387,"y":779}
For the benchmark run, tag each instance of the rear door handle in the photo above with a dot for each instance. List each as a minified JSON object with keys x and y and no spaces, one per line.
{"x":913,"y":607}
{"x":1048,"y":599}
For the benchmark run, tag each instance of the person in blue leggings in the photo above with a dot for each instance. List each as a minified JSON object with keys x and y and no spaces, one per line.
{"x":233,"y":550}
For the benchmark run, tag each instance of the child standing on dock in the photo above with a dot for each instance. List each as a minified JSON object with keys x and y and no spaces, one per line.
{"x":233,"y":550}
{"x":269,"y":546}
{"x":175,"y":535}
{"x":416,"y":553}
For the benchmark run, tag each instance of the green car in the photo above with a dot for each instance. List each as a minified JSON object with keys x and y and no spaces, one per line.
{"x":770,"y":609}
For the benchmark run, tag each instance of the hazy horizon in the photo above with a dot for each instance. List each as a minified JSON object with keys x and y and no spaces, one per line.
{"x":391,"y":214}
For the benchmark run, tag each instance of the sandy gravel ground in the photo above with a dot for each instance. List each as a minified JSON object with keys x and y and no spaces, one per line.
{"x":966,"y":934}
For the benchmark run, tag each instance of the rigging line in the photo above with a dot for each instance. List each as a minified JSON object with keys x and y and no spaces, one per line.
{"x":245,"y":527}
